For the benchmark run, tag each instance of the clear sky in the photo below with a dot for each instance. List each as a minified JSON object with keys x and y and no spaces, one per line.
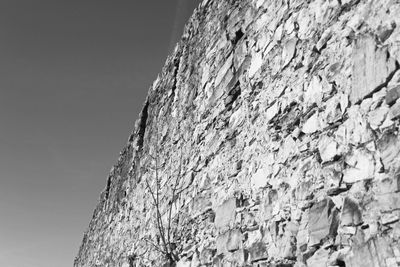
{"x":73,"y":77}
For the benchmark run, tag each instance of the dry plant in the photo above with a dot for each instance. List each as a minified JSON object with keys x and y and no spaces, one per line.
{"x":166,"y":230}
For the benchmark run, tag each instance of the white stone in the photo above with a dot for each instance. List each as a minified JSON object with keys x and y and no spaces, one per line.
{"x":269,"y":47}
{"x":288,"y":148}
{"x":272,"y":111}
{"x":371,"y":67}
{"x":264,"y":40}
{"x":327,"y":147}
{"x":386,"y":123}
{"x":319,"y":258}
{"x":259,"y":3}
{"x":253,"y":237}
{"x":205,"y":75}
{"x":237,"y":118}
{"x":355,"y":21}
{"x":348,"y":230}
{"x":377,"y":117}
{"x":365,"y":105}
{"x":356,"y":127}
{"x":260,"y":178}
{"x":289,"y":26}
{"x":278,"y":33}
{"x":395,"y":79}
{"x":224,"y":69}
{"x":324,"y":39}
{"x":388,"y":218}
{"x":183,"y":263}
{"x":314,"y":93}
{"x":312,"y":124}
{"x":362,"y":166}
{"x":256,"y":63}
{"x":344,"y":102}
{"x":289,"y":51}
{"x":304,"y":21}
{"x":332,"y":111}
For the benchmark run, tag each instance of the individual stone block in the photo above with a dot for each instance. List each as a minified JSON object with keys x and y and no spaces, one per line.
{"x":376,"y":117}
{"x":239,"y":257}
{"x":388,"y":202}
{"x":258,"y":251}
{"x":225,"y":214}
{"x":327,"y":147}
{"x":183,"y":263}
{"x":256,"y":63}
{"x":319,"y":258}
{"x":223,"y":70}
{"x":289,"y":51}
{"x":268,"y":204}
{"x":351,"y":213}
{"x":388,"y":218}
{"x":312,"y":124}
{"x":355,"y":130}
{"x":302,"y":238}
{"x":392,"y":95}
{"x":286,"y":246}
{"x":221,"y":242}
{"x":303,"y":190}
{"x":314,"y":93}
{"x":347,"y":230}
{"x":323,"y":221}
{"x":388,"y":184}
{"x":272,"y":111}
{"x":384,"y":31}
{"x":361,"y":167}
{"x":234,"y":241}
{"x":371,"y":67}
{"x":200,"y":204}
{"x":388,"y":146}
{"x":324,"y":39}
{"x":394,"y":111}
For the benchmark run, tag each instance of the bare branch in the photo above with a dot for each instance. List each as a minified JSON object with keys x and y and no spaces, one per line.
{"x":159,"y":193}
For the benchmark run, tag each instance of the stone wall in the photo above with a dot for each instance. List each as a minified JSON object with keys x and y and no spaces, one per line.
{"x":277,"y":122}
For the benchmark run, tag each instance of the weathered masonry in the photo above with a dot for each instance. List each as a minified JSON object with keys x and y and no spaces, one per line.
{"x":270,"y":138}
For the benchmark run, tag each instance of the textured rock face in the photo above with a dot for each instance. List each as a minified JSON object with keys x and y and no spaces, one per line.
{"x":271,"y":138}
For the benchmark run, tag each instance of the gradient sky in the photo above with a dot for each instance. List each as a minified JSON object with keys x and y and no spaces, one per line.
{"x":73,"y":77}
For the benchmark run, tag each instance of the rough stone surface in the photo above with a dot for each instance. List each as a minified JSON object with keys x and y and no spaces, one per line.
{"x":276,"y":124}
{"x":225,"y":214}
